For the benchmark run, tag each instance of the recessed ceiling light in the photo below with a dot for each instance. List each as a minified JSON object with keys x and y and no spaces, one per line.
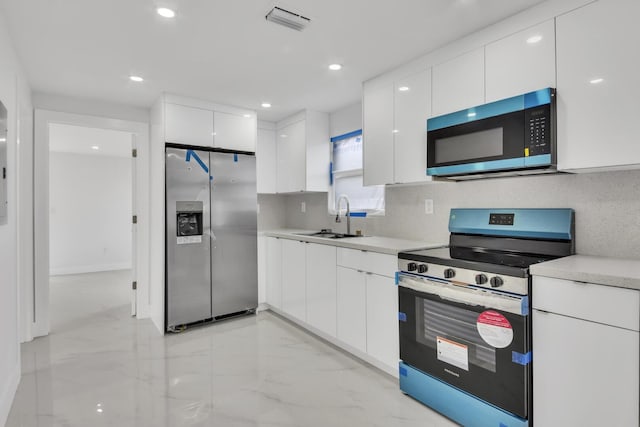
{"x":283,"y":135}
{"x":95,"y":147}
{"x":248,"y":116}
{"x":3,"y":139}
{"x":166,"y":12}
{"x":136,"y":79}
{"x":403,"y":88}
{"x":596,"y":81}
{"x":395,"y":131}
{"x":534,"y":39}
{"x":335,"y":67}
{"x":266,"y":105}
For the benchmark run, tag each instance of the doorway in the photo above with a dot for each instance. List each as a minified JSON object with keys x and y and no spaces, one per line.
{"x":36,"y":301}
{"x":90,"y":224}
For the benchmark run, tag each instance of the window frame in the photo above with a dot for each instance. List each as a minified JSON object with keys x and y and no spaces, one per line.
{"x":333,"y":175}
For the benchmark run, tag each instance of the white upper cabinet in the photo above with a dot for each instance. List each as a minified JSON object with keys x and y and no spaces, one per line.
{"x":412,"y":96}
{"x":598,"y":90}
{"x":291,"y":158}
{"x":189,"y":121}
{"x":303,"y":152}
{"x":458,"y":83}
{"x":377,"y":117}
{"x":266,"y":158}
{"x":521,"y":63}
{"x":234,"y":131}
{"x":395,"y":120}
{"x":188,"y":125}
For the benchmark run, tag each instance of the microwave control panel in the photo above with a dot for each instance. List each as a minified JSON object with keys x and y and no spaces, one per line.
{"x":538,"y":130}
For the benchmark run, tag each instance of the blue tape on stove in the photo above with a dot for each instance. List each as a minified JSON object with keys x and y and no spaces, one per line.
{"x":521,"y":359}
{"x":397,"y":278}
{"x":403,"y":371}
{"x":402,"y":316}
{"x":235,"y":157}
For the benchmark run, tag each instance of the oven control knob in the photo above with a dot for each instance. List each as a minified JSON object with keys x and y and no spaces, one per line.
{"x":449,"y":273}
{"x":481,"y":279}
{"x":412,"y":266}
{"x":422,"y":268}
{"x":496,"y":282}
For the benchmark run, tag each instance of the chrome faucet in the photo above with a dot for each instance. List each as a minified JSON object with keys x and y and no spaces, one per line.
{"x":348,"y":212}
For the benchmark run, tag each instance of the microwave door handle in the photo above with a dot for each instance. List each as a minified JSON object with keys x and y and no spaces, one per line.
{"x":468,"y":296}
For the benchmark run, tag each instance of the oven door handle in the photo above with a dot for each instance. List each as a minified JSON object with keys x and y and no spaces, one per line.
{"x":467,"y":295}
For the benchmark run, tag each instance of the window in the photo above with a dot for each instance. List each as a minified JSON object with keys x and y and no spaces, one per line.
{"x":346,"y":177}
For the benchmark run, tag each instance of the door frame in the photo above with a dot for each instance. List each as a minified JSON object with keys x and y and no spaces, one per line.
{"x":36,"y":302}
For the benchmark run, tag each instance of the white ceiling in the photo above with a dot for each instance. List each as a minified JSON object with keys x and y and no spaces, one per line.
{"x":80,"y":140}
{"x":226,"y":52}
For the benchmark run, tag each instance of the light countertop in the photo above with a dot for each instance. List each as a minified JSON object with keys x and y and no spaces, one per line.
{"x":623,"y":273}
{"x":385,"y":245}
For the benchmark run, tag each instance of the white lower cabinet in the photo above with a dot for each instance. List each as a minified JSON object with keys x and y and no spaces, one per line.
{"x":273,"y":266}
{"x":321,"y":287}
{"x":382,"y":319}
{"x":352,"y":308}
{"x":585,"y":354}
{"x":294,"y":295}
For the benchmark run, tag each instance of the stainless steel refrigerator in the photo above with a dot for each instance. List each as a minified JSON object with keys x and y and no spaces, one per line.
{"x":211,"y":236}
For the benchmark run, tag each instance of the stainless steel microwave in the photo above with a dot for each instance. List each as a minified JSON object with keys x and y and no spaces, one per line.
{"x":513,"y":136}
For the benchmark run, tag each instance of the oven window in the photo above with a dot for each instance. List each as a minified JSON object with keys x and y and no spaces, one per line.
{"x":436,"y":320}
{"x":476,"y":145}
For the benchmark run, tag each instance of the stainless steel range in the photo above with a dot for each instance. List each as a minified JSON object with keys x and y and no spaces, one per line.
{"x":464,"y":313}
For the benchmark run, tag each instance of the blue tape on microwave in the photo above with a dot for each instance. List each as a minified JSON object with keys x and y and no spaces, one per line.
{"x":521,"y":359}
{"x":235,"y":157}
{"x":397,"y":275}
{"x":402,"y":316}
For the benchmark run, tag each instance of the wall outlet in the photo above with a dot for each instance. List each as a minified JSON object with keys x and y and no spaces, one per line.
{"x":428,"y":206}
{"x":303,"y":207}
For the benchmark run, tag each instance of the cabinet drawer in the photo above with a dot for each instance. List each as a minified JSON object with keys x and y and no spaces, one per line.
{"x":597,"y":303}
{"x":371,"y":262}
{"x":382,"y":264}
{"x":351,"y":258}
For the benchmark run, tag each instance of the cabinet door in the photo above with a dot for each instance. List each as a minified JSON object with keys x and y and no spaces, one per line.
{"x":266,"y":159}
{"x":234,"y":131}
{"x":591,"y":369}
{"x":377,"y":113}
{"x":291,"y":158}
{"x":598,"y":90}
{"x":521,"y":63}
{"x":412,"y":108}
{"x":188,"y":125}
{"x":352,"y":311}
{"x":321,"y":287}
{"x":459,"y":83}
{"x":273,"y":266}
{"x":294,"y":298}
{"x":382,"y":320}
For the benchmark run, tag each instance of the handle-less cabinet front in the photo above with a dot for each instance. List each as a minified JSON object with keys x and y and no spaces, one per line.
{"x":188,"y":125}
{"x":188,"y":277}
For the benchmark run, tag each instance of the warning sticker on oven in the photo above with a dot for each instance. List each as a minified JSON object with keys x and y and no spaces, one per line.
{"x":494,"y":329}
{"x":453,"y":353}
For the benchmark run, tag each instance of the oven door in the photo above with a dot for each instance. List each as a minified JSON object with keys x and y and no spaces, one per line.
{"x":474,"y":339}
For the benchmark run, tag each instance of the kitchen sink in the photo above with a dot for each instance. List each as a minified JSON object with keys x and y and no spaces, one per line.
{"x":328,"y":234}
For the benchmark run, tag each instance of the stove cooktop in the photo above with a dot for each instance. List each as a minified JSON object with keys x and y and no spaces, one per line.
{"x":507,"y":263}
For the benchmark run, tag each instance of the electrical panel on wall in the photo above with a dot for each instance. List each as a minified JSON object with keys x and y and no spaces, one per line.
{"x":3,"y":164}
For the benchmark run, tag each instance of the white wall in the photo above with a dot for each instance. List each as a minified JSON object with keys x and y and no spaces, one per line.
{"x":89,"y":107}
{"x":90,"y":213}
{"x":16,"y":96}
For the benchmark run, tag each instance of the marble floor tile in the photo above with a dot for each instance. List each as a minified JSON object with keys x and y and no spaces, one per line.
{"x":100,"y":367}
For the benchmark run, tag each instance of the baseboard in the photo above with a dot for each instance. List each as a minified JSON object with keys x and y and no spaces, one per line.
{"x":8,"y":393}
{"x":79,"y":269}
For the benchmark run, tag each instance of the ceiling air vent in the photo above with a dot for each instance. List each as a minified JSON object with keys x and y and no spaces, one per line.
{"x":288,"y":19}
